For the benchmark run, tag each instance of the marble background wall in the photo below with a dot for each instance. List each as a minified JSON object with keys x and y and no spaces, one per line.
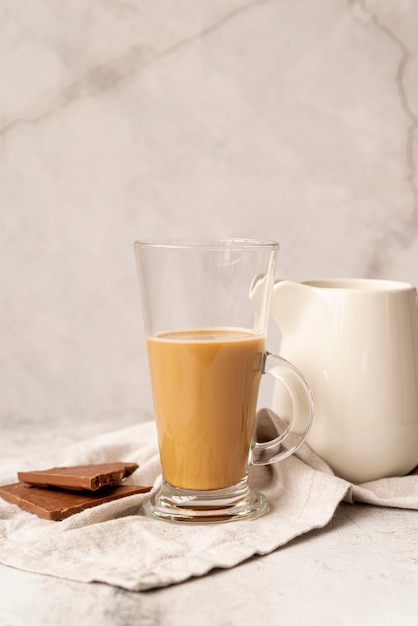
{"x":121,"y":119}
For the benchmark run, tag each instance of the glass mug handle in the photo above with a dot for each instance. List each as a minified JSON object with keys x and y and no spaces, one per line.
{"x":296,"y":411}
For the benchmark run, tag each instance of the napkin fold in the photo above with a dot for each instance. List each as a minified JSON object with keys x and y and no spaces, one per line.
{"x":115,"y":543}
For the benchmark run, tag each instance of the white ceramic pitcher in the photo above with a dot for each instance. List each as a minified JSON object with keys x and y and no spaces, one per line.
{"x":355,"y":340}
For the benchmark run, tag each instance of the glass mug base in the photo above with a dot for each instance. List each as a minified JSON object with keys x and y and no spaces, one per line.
{"x":238,"y":502}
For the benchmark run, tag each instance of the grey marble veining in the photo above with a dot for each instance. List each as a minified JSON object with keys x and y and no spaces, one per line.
{"x":295,"y":121}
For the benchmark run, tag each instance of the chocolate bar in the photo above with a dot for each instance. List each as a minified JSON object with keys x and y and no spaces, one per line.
{"x":91,"y":477}
{"x":54,"y":504}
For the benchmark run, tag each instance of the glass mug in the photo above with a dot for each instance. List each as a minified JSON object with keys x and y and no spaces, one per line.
{"x":206,"y":308}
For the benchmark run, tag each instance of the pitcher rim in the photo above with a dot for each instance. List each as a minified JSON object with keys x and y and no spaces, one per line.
{"x":374,"y":285}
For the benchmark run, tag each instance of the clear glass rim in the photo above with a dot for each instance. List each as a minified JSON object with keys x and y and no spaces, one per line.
{"x":207,"y":244}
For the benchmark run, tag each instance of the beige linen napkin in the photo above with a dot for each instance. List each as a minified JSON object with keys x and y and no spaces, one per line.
{"x":116,"y":544}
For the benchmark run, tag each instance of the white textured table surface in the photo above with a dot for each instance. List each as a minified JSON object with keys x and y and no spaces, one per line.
{"x":361,"y":569}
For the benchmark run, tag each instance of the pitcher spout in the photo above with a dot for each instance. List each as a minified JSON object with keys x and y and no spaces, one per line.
{"x":288,"y":303}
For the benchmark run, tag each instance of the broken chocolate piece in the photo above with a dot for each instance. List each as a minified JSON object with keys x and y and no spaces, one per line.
{"x":91,"y":477}
{"x":54,"y":504}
